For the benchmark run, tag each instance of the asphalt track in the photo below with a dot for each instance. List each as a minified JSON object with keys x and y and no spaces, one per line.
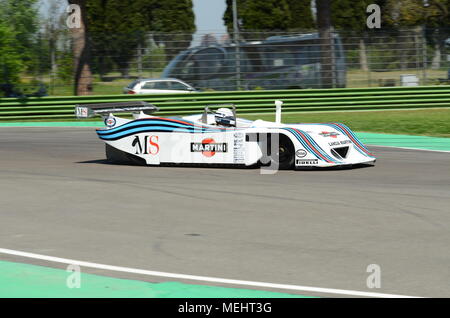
{"x":59,"y":197}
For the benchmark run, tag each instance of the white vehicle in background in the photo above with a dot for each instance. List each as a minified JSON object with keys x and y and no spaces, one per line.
{"x":158,"y":86}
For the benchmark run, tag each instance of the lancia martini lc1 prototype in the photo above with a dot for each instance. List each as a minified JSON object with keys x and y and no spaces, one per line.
{"x":218,"y":138}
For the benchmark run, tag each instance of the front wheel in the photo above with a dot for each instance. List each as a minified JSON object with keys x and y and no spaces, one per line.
{"x":285,"y":155}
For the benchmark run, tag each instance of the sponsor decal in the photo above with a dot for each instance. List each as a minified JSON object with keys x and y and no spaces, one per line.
{"x":339,"y":143}
{"x":110,"y":122}
{"x":147,"y":145}
{"x":82,"y":111}
{"x":329,"y":134}
{"x":301,"y":153}
{"x":238,"y":148}
{"x":306,"y":162}
{"x":208,"y":147}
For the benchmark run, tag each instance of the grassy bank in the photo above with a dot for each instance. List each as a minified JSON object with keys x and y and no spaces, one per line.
{"x":426,"y":122}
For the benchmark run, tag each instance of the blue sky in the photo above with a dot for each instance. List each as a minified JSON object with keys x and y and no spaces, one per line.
{"x":208,"y":15}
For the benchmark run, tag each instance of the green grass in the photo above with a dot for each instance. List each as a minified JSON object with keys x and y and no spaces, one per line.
{"x":99,"y":88}
{"x":358,"y":78}
{"x":426,"y":122}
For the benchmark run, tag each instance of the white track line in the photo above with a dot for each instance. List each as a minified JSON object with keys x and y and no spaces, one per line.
{"x":408,"y":148}
{"x":200,"y":278}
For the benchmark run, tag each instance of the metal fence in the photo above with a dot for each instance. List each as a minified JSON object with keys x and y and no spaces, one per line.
{"x":259,"y":61}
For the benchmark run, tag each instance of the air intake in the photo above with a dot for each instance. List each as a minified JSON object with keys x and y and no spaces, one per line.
{"x":340,"y":153}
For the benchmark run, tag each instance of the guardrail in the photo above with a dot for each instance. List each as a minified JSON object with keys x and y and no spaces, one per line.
{"x":57,"y":108}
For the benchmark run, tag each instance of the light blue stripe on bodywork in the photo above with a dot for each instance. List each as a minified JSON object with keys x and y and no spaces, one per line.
{"x":314,"y":144}
{"x":358,"y":143}
{"x":315,"y":151}
{"x":304,"y":144}
{"x":130,"y":125}
{"x":149,"y":128}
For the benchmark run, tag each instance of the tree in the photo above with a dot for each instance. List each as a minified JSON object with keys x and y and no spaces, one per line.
{"x":301,"y":14}
{"x":173,"y":22}
{"x":118,"y":28}
{"x":55,"y":32}
{"x":437,"y":21}
{"x":270,"y":16}
{"x":22,"y":18}
{"x":11,"y":64}
{"x":326,"y":42}
{"x":81,"y":53}
{"x":115,"y":29}
{"x":349,"y":16}
{"x":433,"y":15}
{"x":404,"y":13}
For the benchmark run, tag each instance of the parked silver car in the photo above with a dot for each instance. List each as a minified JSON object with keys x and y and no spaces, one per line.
{"x":158,"y":86}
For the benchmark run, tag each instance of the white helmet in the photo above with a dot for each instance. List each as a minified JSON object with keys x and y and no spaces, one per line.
{"x":225,"y":117}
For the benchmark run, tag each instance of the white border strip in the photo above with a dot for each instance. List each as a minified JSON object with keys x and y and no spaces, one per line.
{"x":407,"y":148}
{"x":201,"y":278}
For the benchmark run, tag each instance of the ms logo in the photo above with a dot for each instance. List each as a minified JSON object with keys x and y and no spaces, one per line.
{"x":146,"y":145}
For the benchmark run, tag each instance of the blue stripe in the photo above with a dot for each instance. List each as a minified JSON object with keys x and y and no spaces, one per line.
{"x":358,"y":142}
{"x":148,"y":129}
{"x":341,"y":130}
{"x":304,"y":144}
{"x":151,"y":122}
{"x":310,"y":139}
{"x":353,"y":135}
{"x":299,"y":138}
{"x":319,"y":149}
{"x":315,"y":151}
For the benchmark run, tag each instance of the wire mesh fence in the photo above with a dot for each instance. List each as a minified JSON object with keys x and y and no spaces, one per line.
{"x":258,"y":61}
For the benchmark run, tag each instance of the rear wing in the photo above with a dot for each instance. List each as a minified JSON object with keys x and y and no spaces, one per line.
{"x":91,"y":110}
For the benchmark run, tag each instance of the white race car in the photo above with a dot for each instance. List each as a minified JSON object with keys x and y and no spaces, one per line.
{"x":217,"y":138}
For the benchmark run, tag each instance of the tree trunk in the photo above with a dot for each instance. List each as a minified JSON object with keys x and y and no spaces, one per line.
{"x":125,"y":71}
{"x":326,"y":42}
{"x":403,"y":46}
{"x":436,"y":62}
{"x":363,"y":55}
{"x":81,"y":52}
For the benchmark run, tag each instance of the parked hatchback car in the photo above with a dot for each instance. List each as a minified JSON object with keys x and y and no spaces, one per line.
{"x":157,"y":86}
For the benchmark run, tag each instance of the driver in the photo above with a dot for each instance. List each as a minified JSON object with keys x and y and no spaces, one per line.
{"x":225,"y":117}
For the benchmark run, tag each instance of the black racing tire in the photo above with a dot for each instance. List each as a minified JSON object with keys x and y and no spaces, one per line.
{"x":115,"y":155}
{"x":285,"y":154}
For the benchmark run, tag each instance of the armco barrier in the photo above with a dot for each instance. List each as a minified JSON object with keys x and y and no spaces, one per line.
{"x":56,"y":108}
